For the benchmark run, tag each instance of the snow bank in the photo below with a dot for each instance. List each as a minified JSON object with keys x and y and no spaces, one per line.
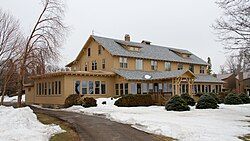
{"x":13,"y":99}
{"x":224,"y":124}
{"x":21,"y":124}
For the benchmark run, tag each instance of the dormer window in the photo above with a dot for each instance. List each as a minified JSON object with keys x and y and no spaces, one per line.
{"x":167,"y":66}
{"x":133,"y":49}
{"x":191,"y":67}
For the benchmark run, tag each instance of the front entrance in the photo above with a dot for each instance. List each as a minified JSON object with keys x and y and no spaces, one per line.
{"x":138,"y":88}
{"x":156,"y":85}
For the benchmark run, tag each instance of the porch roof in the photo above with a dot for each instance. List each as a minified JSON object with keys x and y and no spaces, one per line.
{"x":154,"y":75}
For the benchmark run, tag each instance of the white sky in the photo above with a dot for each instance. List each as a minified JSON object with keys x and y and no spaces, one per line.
{"x":177,"y":23}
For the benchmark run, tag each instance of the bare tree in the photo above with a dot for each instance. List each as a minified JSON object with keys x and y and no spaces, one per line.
{"x":10,"y":42}
{"x":44,"y":41}
{"x":233,"y":28}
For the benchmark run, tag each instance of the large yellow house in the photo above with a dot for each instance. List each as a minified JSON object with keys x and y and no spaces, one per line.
{"x":108,"y":67}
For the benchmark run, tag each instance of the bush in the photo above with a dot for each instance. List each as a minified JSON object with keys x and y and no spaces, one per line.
{"x":207,"y":102}
{"x":188,"y":99}
{"x":222,"y":96}
{"x":215,"y":96}
{"x":176,"y":103}
{"x":199,"y":94}
{"x":245,"y":98}
{"x":71,"y":100}
{"x":233,"y":99}
{"x":134,"y":100}
{"x":88,"y":102}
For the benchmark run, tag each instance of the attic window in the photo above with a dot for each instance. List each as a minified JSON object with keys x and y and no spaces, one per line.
{"x":133,"y":49}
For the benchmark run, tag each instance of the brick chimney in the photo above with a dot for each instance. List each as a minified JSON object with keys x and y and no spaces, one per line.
{"x":127,"y":37}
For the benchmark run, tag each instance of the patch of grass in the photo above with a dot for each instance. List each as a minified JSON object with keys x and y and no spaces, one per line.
{"x":69,"y":135}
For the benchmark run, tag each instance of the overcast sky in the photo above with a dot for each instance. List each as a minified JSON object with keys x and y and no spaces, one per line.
{"x":182,"y":24}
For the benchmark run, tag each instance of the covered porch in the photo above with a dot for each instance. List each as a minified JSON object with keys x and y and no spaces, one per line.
{"x":161,"y":85}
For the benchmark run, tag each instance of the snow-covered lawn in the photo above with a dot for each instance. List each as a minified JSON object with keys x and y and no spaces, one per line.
{"x":21,"y":124}
{"x":13,"y":99}
{"x":223,"y":124}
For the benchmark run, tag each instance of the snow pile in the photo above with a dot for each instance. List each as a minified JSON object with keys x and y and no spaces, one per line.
{"x":13,"y":99}
{"x":224,"y":124}
{"x":21,"y":124}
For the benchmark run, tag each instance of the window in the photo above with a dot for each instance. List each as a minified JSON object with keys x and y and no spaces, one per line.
{"x":89,"y":52}
{"x":165,"y":85}
{"x":77,"y":87}
{"x":150,"y":87}
{"x":97,"y":87}
{"x":103,"y":87}
{"x":203,"y":88}
{"x":91,"y":87}
{"x":84,"y":87}
{"x":37,"y":88}
{"x":199,"y":88}
{"x":133,"y":88}
{"x":169,"y":87}
{"x":94,"y":65}
{"x":56,"y":87}
{"x":121,"y":89}
{"x":126,"y":88}
{"x":59,"y":87}
{"x":103,"y":63}
{"x":144,"y":88}
{"x":45,"y":88}
{"x":86,"y":66}
{"x":123,"y":62}
{"x":138,"y":63}
{"x":180,"y":66}
{"x":153,"y":65}
{"x":202,"y":69}
{"x":99,"y":50}
{"x":53,"y":88}
{"x":191,"y":67}
{"x":42,"y":88}
{"x":117,"y":89}
{"x":49,"y":87}
{"x":167,"y":66}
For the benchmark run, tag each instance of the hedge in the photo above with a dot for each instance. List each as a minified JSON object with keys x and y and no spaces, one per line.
{"x":134,"y":100}
{"x":176,"y":103}
{"x":206,"y":101}
{"x":188,"y":99}
{"x":245,"y":98}
{"x":233,"y":99}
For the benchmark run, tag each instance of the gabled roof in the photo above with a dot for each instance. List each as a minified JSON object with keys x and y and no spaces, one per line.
{"x":155,"y":75}
{"x":154,"y":52}
{"x":246,"y":75}
{"x":147,"y":51}
{"x":207,"y":79}
{"x":224,"y":76}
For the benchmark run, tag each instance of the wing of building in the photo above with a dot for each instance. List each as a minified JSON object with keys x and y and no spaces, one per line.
{"x":108,"y":67}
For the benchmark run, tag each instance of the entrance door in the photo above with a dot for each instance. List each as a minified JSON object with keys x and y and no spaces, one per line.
{"x":138,"y":88}
{"x":156,"y":87}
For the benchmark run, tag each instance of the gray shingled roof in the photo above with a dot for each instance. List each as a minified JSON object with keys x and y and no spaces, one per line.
{"x":139,"y":75}
{"x":155,"y":75}
{"x":147,"y":51}
{"x":223,"y":76}
{"x":207,"y":78}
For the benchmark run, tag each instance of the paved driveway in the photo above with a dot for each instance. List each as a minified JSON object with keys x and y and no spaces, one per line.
{"x":94,"y":128}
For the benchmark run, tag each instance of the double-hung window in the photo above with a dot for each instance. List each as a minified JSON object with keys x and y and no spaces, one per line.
{"x":153,"y":65}
{"x":139,"y":64}
{"x":123,"y":62}
{"x":202,"y":69}
{"x":167,"y":66}
{"x":94,"y":65}
{"x":191,"y":67}
{"x":103,"y":64}
{"x":84,"y":87}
